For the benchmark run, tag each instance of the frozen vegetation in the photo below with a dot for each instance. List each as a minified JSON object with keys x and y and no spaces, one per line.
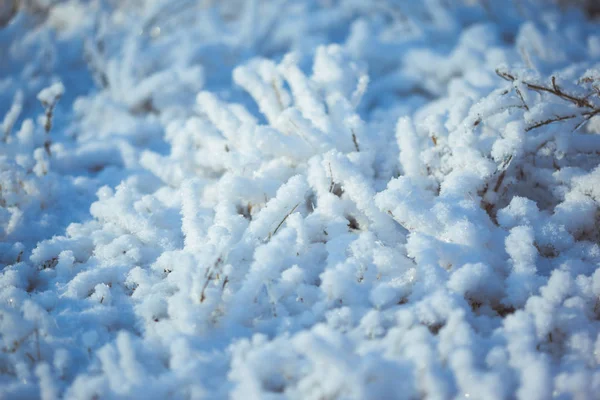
{"x":285,"y":199}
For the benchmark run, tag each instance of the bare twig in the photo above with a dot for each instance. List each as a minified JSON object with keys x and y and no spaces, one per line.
{"x":522,"y":98}
{"x":586,"y":117}
{"x":490,"y":207}
{"x":549,"y":121}
{"x":209,"y":274}
{"x":555,"y":90}
{"x":202,"y":292}
{"x":354,"y":140}
{"x":283,"y":220}
{"x":332,"y":184}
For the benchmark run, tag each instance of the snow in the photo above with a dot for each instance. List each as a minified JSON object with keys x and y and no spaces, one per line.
{"x":326,"y":199}
{"x":51,"y":94}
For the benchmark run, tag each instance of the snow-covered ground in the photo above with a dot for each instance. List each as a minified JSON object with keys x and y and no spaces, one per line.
{"x":287,"y":199}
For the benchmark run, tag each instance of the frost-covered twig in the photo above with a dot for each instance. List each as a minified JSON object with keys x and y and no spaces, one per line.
{"x":550,"y":121}
{"x":49,"y":97}
{"x":591,"y":109}
{"x":554,"y":89}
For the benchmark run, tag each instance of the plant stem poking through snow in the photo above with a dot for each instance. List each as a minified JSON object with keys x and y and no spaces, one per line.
{"x":355,"y":141}
{"x":49,"y":97}
{"x":283,"y":220}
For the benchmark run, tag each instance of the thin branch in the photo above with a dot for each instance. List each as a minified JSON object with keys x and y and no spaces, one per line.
{"x":550,"y":121}
{"x":209,"y":277}
{"x":354,"y":140}
{"x":206,"y":282}
{"x":586,"y":117}
{"x":332,"y":184}
{"x":555,"y":90}
{"x":283,"y":220}
{"x":522,"y":98}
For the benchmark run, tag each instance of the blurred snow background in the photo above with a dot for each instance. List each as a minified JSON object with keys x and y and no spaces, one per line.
{"x":320,"y":199}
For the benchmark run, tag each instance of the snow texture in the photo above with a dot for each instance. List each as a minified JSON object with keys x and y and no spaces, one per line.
{"x":318,"y":199}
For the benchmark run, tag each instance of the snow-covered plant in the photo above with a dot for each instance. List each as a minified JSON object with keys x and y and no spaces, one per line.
{"x":309,"y":200}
